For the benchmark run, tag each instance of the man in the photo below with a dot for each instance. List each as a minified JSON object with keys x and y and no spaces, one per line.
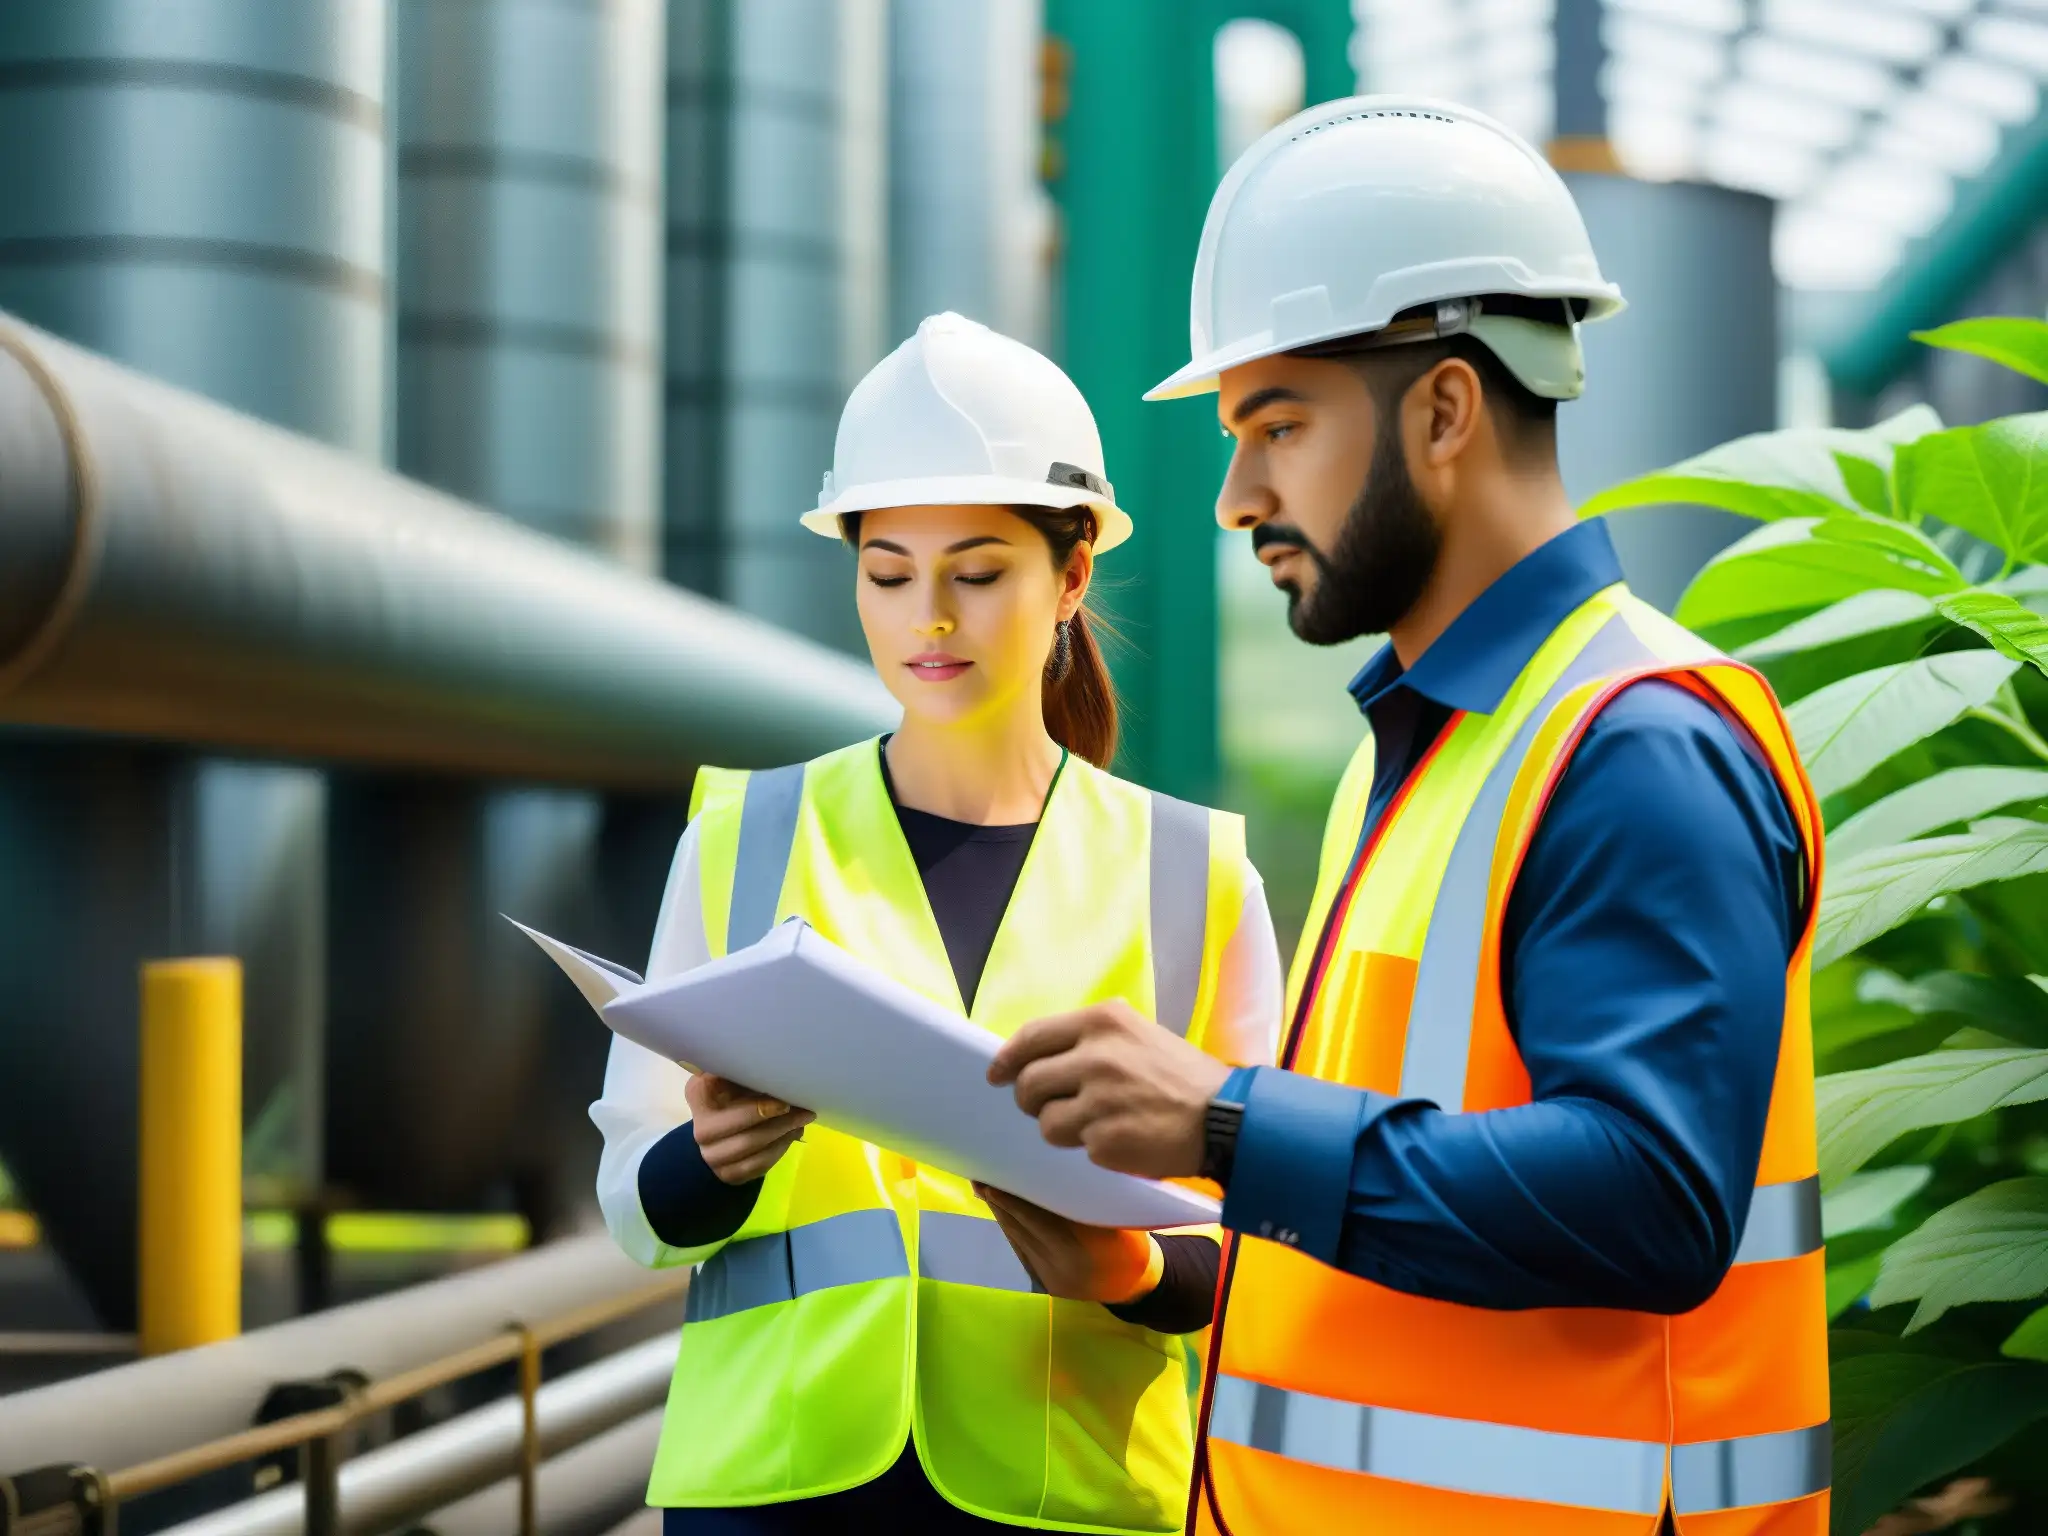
{"x":1528,"y":1233}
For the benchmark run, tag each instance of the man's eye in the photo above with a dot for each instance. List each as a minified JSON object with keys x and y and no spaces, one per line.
{"x":888,"y":581}
{"x":1279,"y":430}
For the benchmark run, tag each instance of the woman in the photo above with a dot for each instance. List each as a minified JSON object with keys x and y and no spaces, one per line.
{"x":874,"y":1344}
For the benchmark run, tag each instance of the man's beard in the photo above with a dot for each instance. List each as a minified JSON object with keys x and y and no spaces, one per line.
{"x":1384,"y":556}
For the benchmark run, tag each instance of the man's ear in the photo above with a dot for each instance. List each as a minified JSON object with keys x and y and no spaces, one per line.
{"x":1455,"y":400}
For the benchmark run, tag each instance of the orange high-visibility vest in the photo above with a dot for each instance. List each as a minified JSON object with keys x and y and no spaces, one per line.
{"x":1338,"y":1404}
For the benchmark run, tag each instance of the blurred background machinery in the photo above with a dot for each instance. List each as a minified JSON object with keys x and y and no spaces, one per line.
{"x":405,"y":408}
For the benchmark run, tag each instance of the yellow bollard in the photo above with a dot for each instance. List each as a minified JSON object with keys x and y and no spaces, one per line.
{"x":191,"y":1172}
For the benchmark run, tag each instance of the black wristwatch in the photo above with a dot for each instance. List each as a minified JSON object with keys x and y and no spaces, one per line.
{"x":1220,"y":1123}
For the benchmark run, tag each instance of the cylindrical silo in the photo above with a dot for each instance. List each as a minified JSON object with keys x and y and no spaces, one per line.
{"x":969,"y":219}
{"x":529,"y":261}
{"x":199,"y":190}
{"x":529,"y":377}
{"x":1692,"y":361}
{"x":777,"y":289}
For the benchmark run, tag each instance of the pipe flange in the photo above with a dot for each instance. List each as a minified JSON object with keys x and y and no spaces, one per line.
{"x":82,"y":559}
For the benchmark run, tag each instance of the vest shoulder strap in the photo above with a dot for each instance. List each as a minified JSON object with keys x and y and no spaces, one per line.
{"x":767,"y":833}
{"x":1180,"y":908}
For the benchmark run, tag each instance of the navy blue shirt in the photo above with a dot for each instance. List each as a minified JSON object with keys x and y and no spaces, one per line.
{"x":1644,"y":956}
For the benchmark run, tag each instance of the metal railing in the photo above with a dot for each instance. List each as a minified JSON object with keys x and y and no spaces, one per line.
{"x":321,"y":1435}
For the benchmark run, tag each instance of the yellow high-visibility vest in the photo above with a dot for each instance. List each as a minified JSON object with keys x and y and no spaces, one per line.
{"x":868,"y":1298}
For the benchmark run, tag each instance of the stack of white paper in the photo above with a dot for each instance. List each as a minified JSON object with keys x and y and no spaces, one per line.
{"x":798,"y":1018}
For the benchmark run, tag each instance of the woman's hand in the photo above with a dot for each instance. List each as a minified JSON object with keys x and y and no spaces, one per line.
{"x":741,"y":1133}
{"x":1105,"y":1264}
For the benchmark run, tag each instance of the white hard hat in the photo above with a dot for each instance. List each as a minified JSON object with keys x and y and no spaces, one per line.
{"x":960,"y":414}
{"x":1354,"y":211}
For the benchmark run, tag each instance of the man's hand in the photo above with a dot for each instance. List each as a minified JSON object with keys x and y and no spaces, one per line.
{"x":1109,"y":1079}
{"x":1105,"y":1264}
{"x":741,"y":1133}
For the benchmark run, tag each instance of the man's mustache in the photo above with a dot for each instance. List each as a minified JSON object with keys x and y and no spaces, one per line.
{"x":1268,"y":535}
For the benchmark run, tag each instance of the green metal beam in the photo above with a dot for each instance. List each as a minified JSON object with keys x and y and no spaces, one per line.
{"x":1136,"y":163}
{"x":1992,"y":215}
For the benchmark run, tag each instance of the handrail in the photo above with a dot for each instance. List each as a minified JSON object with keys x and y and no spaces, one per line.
{"x":149,"y":1409}
{"x":324,"y":1423}
{"x":171,"y":569}
{"x":323,"y":1506}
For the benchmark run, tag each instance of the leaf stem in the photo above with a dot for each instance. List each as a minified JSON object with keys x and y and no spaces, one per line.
{"x":2019,"y":730}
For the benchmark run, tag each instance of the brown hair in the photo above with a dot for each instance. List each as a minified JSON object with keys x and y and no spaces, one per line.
{"x":1080,"y":705}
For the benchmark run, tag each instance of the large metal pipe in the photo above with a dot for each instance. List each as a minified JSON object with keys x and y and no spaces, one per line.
{"x":385,"y":1489}
{"x":135,"y":1413}
{"x":216,"y":580}
{"x":584,"y":1492}
{"x":198,"y":191}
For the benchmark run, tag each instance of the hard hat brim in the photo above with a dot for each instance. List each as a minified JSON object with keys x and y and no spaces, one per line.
{"x":1113,"y":524}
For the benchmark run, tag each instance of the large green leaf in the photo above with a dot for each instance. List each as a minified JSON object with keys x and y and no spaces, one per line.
{"x":1903,"y":1419}
{"x":1948,"y":799}
{"x":2010,"y":625}
{"x":1874,"y":893}
{"x":1847,"y":728}
{"x":1869,"y":486}
{"x":2019,"y":342}
{"x":1862,"y":1113}
{"x":1866,"y":1200}
{"x":1864,"y":613}
{"x":1850,"y":1281}
{"x":1771,"y":475}
{"x":1807,"y":562}
{"x":2015,"y":1008}
{"x":2029,"y":1341}
{"x":1991,"y":1245}
{"x":1991,"y":481}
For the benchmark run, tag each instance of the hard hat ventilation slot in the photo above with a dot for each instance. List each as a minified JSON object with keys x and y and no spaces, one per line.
{"x":1360,"y":117}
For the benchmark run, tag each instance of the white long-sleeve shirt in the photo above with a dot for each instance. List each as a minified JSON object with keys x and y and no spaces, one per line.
{"x":643,"y":1093}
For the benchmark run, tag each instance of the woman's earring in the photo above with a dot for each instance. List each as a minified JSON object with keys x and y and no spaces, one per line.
{"x":1061,"y":661}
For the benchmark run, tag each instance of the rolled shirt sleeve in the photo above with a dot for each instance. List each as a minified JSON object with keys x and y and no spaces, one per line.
{"x":1644,"y":961}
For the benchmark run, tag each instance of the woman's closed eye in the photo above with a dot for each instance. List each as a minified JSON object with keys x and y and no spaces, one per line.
{"x":884,"y":579}
{"x":979,"y":578}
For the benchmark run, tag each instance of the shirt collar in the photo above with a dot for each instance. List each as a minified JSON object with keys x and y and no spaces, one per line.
{"x":1475,"y":661}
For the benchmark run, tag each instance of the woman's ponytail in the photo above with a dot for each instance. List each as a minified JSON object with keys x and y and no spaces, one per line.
{"x":1080,"y":702}
{"x":1080,"y":699}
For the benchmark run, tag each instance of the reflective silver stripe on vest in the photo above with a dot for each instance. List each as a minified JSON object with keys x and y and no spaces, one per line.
{"x":1447,"y":979}
{"x":969,"y":1250}
{"x":1180,"y":907}
{"x":1758,"y":1469}
{"x":817,"y":1256}
{"x":1509,"y":1462}
{"x":1459,"y":1455}
{"x":767,"y":832}
{"x":1784,"y":1222}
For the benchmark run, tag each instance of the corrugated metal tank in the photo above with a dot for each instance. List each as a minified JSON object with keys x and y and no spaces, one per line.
{"x":199,"y":190}
{"x":970,"y":224}
{"x":529,"y":261}
{"x":776,"y":289}
{"x":529,"y":378}
{"x":1692,"y":361}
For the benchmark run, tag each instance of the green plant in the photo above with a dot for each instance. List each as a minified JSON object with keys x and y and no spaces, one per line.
{"x":1894,"y":593}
